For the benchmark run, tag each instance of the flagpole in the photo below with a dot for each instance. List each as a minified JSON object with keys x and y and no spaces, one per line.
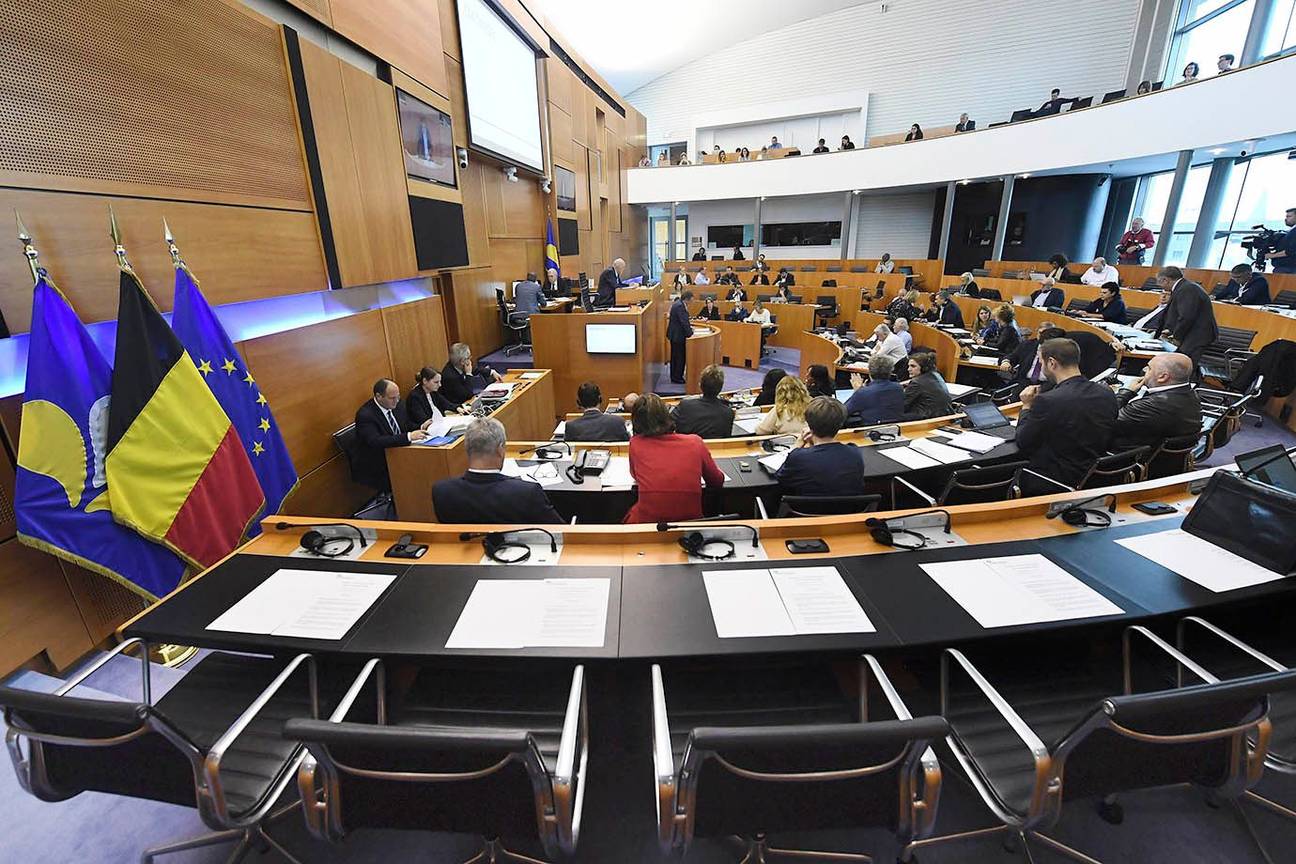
{"x":33,"y":257}
{"x":176,"y":260}
{"x":118,"y":249}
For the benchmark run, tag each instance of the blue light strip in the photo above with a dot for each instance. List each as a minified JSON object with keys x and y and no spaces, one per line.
{"x":243,"y":321}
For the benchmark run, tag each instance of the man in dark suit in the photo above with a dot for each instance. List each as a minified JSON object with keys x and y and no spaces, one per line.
{"x":1025,"y":363}
{"x":1064,"y":430}
{"x":945,"y":311}
{"x":460,"y":379}
{"x":822,"y":465}
{"x":527,"y":296}
{"x":484,"y":495}
{"x":380,"y":423}
{"x":700,"y":255}
{"x":555,"y":285}
{"x":1189,"y":317}
{"x":1161,"y":404}
{"x":678,"y":330}
{"x":965,"y":124}
{"x":729,"y":277}
{"x":1246,"y":288}
{"x":879,"y":401}
{"x":594,"y":425}
{"x":705,"y":415}
{"x":1048,"y":296}
{"x":610,"y":280}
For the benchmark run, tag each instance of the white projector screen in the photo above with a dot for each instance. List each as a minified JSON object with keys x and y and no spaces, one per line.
{"x":500,"y":85}
{"x":610,"y":338}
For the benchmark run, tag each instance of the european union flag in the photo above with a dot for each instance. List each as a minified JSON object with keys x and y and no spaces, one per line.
{"x":61,"y":494}
{"x":231,"y":382}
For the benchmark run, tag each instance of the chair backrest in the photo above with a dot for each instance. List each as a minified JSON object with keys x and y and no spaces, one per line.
{"x":1081,"y":103}
{"x":1077,"y":305}
{"x":826,"y":300}
{"x":832,"y":268}
{"x":1232,"y":339}
{"x":1286,"y":298}
{"x":1123,"y":467}
{"x":1150,"y":284}
{"x":981,"y":485}
{"x":1112,"y":96}
{"x":749,"y":780}
{"x":826,"y":505}
{"x":765,"y":298}
{"x":1021,"y":114}
{"x":710,"y":295}
{"x":344,"y":440}
{"x":980,"y":271}
{"x":807,"y":268}
{"x":858,"y":269}
{"x":1096,"y":353}
{"x":1134,"y":313}
{"x":1172,"y":456}
{"x":1216,"y":289}
{"x":828,"y":283}
{"x":795,"y":298}
{"x":991,"y":294}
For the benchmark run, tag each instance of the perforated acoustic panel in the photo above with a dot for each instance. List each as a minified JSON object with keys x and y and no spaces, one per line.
{"x":187,"y":95}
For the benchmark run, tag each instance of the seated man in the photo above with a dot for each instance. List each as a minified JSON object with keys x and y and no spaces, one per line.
{"x":380,"y":423}
{"x":707,"y":415}
{"x":1025,"y":363}
{"x":823,"y":465}
{"x":1048,"y":296}
{"x":737,"y":292}
{"x":1100,"y":273}
{"x":484,"y":495}
{"x":1064,"y":430}
{"x":945,"y":311}
{"x":881,"y":400}
{"x":1151,"y":322}
{"x":821,"y":147}
{"x":555,"y":285}
{"x":1161,"y":404}
{"x":889,"y":345}
{"x":1246,"y":288}
{"x":460,"y":379}
{"x":737,"y":313}
{"x":527,"y":296}
{"x":594,"y":425}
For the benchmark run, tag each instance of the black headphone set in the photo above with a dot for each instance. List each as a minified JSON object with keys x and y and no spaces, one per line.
{"x":695,"y":543}
{"x":318,"y":544}
{"x":502,"y":550}
{"x":1080,"y":515}
{"x":884,"y":534}
{"x":887,"y":433}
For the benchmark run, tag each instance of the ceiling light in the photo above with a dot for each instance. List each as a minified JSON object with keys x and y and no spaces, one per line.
{"x":1023,"y":176}
{"x":1217,"y":150}
{"x":964,"y":182}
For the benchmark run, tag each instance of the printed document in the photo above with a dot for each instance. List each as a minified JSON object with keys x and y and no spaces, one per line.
{"x":1020,"y":589}
{"x":305,"y":604}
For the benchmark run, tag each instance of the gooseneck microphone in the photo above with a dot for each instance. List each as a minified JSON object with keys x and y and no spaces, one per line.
{"x":497,"y":545}
{"x":284,"y":526}
{"x":686,"y":526}
{"x":544,"y":451}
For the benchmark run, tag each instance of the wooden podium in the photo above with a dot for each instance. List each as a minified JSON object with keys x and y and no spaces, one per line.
{"x":700,"y":351}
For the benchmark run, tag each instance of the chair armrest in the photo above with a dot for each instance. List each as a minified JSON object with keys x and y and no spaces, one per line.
{"x":930,"y":501}
{"x":923,"y":799}
{"x":103,"y":661}
{"x":1181,"y":633}
{"x":996,"y":700}
{"x":871,"y":669}
{"x":761,"y":512}
{"x":375,"y":668}
{"x":1182,"y":661}
{"x":569,"y":771}
{"x":573,"y":720}
{"x":663,"y":765}
{"x":1061,"y":486}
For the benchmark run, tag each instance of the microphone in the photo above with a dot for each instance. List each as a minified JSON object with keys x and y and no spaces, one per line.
{"x":284,"y":526}
{"x":498,"y":536}
{"x":542,"y":450}
{"x":686,"y":526}
{"x":876,"y":521}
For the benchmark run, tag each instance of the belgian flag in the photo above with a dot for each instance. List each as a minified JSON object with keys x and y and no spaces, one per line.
{"x":176,"y":468}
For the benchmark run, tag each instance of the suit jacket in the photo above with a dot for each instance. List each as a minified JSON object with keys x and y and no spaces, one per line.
{"x":737,"y":293}
{"x":373,"y":437}
{"x":527,"y":297}
{"x":1190,"y":319}
{"x":417,"y":408}
{"x":761,"y":278}
{"x":823,"y":469}
{"x":738,"y":313}
{"x":1153,"y":324}
{"x":1067,"y":428}
{"x":706,"y":418}
{"x":699,"y":256}
{"x":456,"y":387}
{"x":608,"y":282}
{"x":1022,"y":360}
{"x":950,"y":314}
{"x":1056,"y":297}
{"x":678,"y":327}
{"x":926,"y":396}
{"x":492,"y":499}
{"x":594,"y":425}
{"x":876,"y":402}
{"x":562,"y":288}
{"x":965,"y":127}
{"x":1171,"y":413}
{"x":788,"y":279}
{"x":1254,"y":293}
{"x":1006,"y":339}
{"x":1113,"y":312}
{"x":712,"y":314}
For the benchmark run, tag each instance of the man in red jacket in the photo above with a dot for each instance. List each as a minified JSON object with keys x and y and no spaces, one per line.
{"x":1134,"y":242}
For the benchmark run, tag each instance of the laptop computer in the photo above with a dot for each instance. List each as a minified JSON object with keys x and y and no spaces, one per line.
{"x":1271,"y":465}
{"x":985,"y":415}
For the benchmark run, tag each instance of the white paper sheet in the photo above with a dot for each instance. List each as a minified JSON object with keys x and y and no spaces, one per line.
{"x":942,"y":453}
{"x":498,"y":389}
{"x":958,"y":391}
{"x":817,"y":600}
{"x":533,"y":613}
{"x":977,"y":442}
{"x":531,"y":376}
{"x":909,"y":457}
{"x":774,"y":461}
{"x":307,"y":604}
{"x":1199,"y":561}
{"x":984,"y":361}
{"x":746,"y":603}
{"x":748,"y":424}
{"x":617,"y":474}
{"x":1021,"y":589}
{"x":560,"y":431}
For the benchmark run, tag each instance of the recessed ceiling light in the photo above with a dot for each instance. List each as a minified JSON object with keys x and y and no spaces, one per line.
{"x":1022,"y":176}
{"x":1218,"y":150}
{"x":964,"y":182}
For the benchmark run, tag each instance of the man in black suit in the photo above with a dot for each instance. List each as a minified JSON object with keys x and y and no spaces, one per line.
{"x":700,"y":255}
{"x":609,"y":280}
{"x":729,"y":277}
{"x":1246,"y":288}
{"x":484,"y":495}
{"x":594,"y":425}
{"x":945,"y":311}
{"x":1048,"y":296}
{"x":965,"y":124}
{"x":460,"y":379}
{"x":380,"y":423}
{"x":705,"y":415}
{"x":1064,"y":430}
{"x":678,"y":330}
{"x":1026,"y":365}
{"x":1189,"y":318}
{"x":822,"y":465}
{"x":1161,"y":404}
{"x":555,"y":285}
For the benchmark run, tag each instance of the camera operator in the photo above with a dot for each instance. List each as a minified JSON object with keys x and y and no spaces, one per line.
{"x":1284,"y":255}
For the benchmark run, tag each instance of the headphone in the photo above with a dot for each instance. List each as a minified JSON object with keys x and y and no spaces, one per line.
{"x":878,"y":435}
{"x":695,"y":544}
{"x":1078,"y":517}
{"x":317,"y":544}
{"x":503,"y":551}
{"x":886,"y":535}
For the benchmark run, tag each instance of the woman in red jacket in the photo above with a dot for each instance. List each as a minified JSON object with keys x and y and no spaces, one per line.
{"x":668,"y":468}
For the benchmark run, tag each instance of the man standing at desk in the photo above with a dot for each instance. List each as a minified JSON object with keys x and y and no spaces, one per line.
{"x":381,"y":423}
{"x":678,"y":330}
{"x":609,"y":280}
{"x":484,"y":495}
{"x":1189,"y":318}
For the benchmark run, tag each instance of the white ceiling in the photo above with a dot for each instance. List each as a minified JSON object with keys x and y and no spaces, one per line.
{"x":631,"y":43}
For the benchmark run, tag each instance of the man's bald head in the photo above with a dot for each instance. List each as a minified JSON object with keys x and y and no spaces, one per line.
{"x":629,"y":402}
{"x":618,"y":264}
{"x":1165,"y":370}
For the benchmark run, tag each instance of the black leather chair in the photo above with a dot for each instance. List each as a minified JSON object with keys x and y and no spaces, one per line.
{"x":1172,"y":456}
{"x":782,"y":749}
{"x":518,"y":324}
{"x":1224,"y":410}
{"x":1078,"y":305}
{"x":1286,"y":298}
{"x":1113,"y":95}
{"x":826,"y":505}
{"x":1096,"y":353}
{"x":826,"y":309}
{"x":1049,"y":730}
{"x":978,"y":485}
{"x":1134,"y":313}
{"x":499,"y":752}
{"x":1127,"y":466}
{"x":991,"y":294}
{"x":1223,"y":357}
{"x":380,"y":505}
{"x":212,"y":743}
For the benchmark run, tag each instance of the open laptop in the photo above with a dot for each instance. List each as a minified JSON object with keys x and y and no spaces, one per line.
{"x":1272,"y":466}
{"x":985,"y":415}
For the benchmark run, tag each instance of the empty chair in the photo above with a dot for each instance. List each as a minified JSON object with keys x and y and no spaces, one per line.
{"x":765,"y":298}
{"x":517,"y":324}
{"x":980,"y":272}
{"x":1172,"y":456}
{"x":211,"y":743}
{"x":499,"y":753}
{"x":807,"y":268}
{"x":1223,"y":357}
{"x":1096,"y":352}
{"x":1041,"y":729}
{"x":991,"y":294}
{"x":1077,"y":104}
{"x":826,"y":505}
{"x":856,"y":268}
{"x":1128,"y":466}
{"x":782,"y":749}
{"x":977,"y":485}
{"x":832,"y":268}
{"x":826,"y":308}
{"x":1150,"y":284}
{"x":1223,"y":411}
{"x":1286,"y":298}
{"x":1113,"y":95}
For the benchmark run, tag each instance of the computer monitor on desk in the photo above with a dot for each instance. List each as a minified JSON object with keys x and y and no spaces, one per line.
{"x":1272,"y":466}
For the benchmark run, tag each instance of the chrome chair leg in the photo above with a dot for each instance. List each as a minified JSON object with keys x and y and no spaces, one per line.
{"x":246,"y":837}
{"x":1270,"y":805}
{"x":277,"y":846}
{"x":494,"y":852}
{"x":209,"y":839}
{"x":1063,"y":849}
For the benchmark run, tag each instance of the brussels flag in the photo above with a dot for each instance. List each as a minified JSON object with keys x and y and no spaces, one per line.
{"x":232,"y":384}
{"x":551,"y":250}
{"x":61,"y":492}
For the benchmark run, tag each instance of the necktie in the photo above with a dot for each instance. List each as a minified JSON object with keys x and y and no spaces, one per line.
{"x":1035,"y":369}
{"x":391,"y":421}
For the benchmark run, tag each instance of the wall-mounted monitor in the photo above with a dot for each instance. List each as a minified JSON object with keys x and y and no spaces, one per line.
{"x":610,"y":338}
{"x":801,"y":234}
{"x":729,"y":236}
{"x":501,"y":85}
{"x":427,"y":140}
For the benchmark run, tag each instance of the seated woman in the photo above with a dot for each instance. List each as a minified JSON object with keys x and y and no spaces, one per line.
{"x":709,"y":311}
{"x":905,"y":306}
{"x":767,"y":391}
{"x":668,"y":468}
{"x":819,"y":382}
{"x":985,"y":328}
{"x":926,"y":395}
{"x":788,"y":415}
{"x":759,"y":314}
{"x":425,"y":401}
{"x":1108,"y":307}
{"x":1007,"y":337}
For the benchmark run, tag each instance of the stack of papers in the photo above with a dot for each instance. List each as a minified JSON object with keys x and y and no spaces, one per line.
{"x":977,"y":442}
{"x":306,"y":604}
{"x":748,"y":424}
{"x":560,"y":431}
{"x":498,"y":390}
{"x":774,"y":461}
{"x":1199,"y":561}
{"x":942,"y":453}
{"x":790,"y":601}
{"x":1022,"y":589}
{"x":533,"y":613}
{"x":616,"y":476}
{"x":909,"y":457}
{"x":531,"y":376}
{"x":984,"y":361}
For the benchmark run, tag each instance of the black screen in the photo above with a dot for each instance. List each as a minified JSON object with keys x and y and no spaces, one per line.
{"x":800,"y":233}
{"x":984,"y":415}
{"x":568,"y":237}
{"x":725,"y":236}
{"x":1247,"y":518}
{"x":1272,"y":466}
{"x":439,"y":236}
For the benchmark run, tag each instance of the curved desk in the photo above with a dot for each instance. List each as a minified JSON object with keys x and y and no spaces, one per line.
{"x":700,"y":351}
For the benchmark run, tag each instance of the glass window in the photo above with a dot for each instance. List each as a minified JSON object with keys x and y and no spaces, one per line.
{"x":1202,"y":43}
{"x":659,"y":230}
{"x":1259,"y":197}
{"x":1281,"y":34}
{"x":1150,"y":203}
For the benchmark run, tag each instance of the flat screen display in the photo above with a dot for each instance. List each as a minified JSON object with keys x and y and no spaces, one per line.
{"x":1271,"y":466}
{"x":427,"y":141}
{"x":500,"y":83}
{"x":610,"y":338}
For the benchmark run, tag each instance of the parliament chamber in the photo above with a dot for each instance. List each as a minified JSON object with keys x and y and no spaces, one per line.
{"x":429,"y":424}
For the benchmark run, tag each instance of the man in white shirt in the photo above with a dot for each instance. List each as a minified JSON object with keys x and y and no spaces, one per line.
{"x":902,"y":332}
{"x":886,"y":265}
{"x":1152,"y":320}
{"x":888,"y":344}
{"x":701,"y":278}
{"x":1100,"y":273}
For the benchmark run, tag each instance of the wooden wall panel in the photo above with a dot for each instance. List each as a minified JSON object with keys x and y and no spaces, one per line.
{"x":474,"y":196}
{"x":560,"y":137}
{"x":416,"y":337}
{"x":38,"y":613}
{"x":458,"y":103}
{"x":327,"y":491}
{"x":405,"y":33}
{"x":449,"y":15}
{"x":475,"y":311}
{"x":561,"y":82}
{"x":317,"y":9}
{"x":350,"y":354}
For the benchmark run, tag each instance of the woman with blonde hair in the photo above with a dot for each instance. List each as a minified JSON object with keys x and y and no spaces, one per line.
{"x":787,"y":417}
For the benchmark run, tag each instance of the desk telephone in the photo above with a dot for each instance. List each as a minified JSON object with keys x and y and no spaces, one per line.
{"x":587,"y":463}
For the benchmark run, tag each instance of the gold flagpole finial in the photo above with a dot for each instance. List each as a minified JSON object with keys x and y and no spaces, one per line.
{"x":176,"y":261}
{"x":24,"y":237}
{"x":118,"y":249}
